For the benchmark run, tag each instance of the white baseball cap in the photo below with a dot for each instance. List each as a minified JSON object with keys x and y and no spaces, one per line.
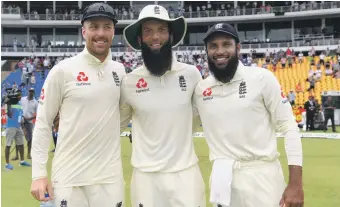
{"x":178,"y":26}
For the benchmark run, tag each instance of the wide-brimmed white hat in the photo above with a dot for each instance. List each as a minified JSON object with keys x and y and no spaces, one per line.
{"x":178,"y":26}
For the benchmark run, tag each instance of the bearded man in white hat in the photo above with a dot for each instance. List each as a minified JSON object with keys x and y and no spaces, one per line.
{"x":158,"y":98}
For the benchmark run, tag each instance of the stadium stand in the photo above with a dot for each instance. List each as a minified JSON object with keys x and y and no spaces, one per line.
{"x":266,"y":29}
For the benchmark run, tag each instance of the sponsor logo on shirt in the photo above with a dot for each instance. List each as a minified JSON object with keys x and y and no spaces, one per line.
{"x":115,"y":78}
{"x":182,"y":83}
{"x":42,"y":96}
{"x":242,"y":89}
{"x":142,"y":86}
{"x":82,"y":79}
{"x":207,"y":93}
{"x":119,"y":204}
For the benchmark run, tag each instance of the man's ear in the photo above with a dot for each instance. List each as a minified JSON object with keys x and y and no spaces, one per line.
{"x":238,"y":47}
{"x":83,"y":32}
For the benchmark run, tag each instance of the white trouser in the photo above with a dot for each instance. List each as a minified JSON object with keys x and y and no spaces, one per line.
{"x":177,"y":189}
{"x":103,"y":195}
{"x":256,"y":183}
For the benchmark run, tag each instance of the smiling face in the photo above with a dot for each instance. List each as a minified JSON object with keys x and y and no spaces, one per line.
{"x":98,"y":33}
{"x":221,"y":49}
{"x":223,"y":54}
{"x":156,"y":46}
{"x":155,"y":34}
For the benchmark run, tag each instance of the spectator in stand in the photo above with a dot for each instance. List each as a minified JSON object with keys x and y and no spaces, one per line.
{"x":298,"y":88}
{"x":300,"y":57}
{"x":322,"y":58}
{"x":310,"y":56}
{"x":328,"y":59}
{"x":291,"y":97}
{"x":313,"y":51}
{"x":288,"y":52}
{"x":249,"y":60}
{"x":33,"y":80}
{"x":274,"y":63}
{"x":46,"y":62}
{"x":190,"y":11}
{"x":311,"y":81}
{"x":208,"y":9}
{"x":318,"y":73}
{"x":15,"y":44}
{"x":293,"y":55}
{"x":310,"y":72}
{"x":283,"y":62}
{"x":267,"y":60}
{"x":329,"y":71}
{"x":131,"y":12}
{"x":198,"y":11}
{"x":328,"y":51}
{"x":49,"y":46}
{"x":290,"y":61}
{"x":267,"y":53}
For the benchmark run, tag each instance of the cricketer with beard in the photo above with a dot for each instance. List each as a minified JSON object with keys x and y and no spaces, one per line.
{"x":244,"y":110}
{"x":158,"y":98}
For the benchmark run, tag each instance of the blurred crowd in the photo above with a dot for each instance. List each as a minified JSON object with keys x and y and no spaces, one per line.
{"x":188,"y":10}
{"x":132,"y":60}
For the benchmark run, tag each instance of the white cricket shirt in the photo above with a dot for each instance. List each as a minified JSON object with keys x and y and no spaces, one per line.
{"x":240,"y":118}
{"x":161,"y":110}
{"x":87,"y":93}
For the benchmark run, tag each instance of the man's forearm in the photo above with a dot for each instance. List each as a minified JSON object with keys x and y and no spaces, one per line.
{"x":295,"y":175}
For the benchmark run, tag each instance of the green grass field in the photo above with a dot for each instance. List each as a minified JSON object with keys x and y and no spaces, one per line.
{"x":321,"y":174}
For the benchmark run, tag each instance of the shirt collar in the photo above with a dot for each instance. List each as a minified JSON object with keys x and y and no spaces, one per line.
{"x":93,"y":60}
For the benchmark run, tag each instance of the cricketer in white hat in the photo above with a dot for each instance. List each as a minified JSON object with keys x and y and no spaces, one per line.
{"x":158,"y":98}
{"x":178,"y":26}
{"x":156,"y":48}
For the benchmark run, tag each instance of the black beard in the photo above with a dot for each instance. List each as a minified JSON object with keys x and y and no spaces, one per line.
{"x":157,"y":62}
{"x":226,"y":74}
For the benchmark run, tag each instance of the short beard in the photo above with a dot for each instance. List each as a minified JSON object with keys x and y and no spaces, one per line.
{"x":226,"y":74}
{"x":157,"y":62}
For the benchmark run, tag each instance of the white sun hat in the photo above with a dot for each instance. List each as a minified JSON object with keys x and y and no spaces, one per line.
{"x":178,"y":26}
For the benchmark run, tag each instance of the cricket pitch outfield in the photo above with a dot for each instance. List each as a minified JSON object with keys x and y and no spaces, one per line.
{"x":321,"y":172}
